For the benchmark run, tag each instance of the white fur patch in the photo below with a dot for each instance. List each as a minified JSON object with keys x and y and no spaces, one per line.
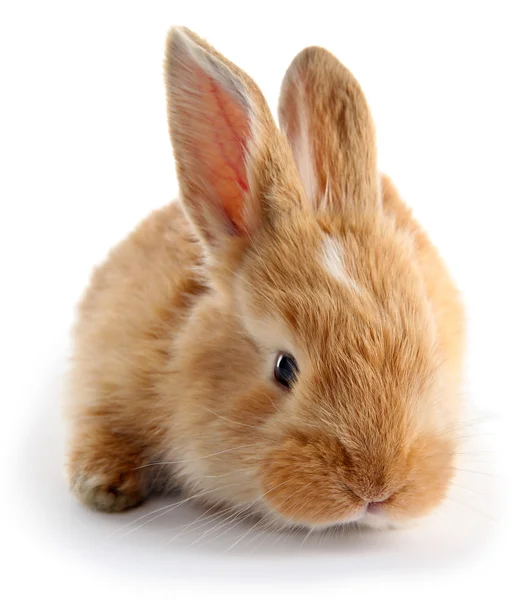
{"x":333,"y":261}
{"x":373,"y":521}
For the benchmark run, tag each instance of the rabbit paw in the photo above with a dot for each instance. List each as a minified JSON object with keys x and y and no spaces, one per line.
{"x":109,"y":492}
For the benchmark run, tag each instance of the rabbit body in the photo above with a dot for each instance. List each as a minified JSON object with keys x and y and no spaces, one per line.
{"x":281,"y":243}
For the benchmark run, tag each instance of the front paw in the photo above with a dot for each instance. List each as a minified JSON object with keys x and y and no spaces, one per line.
{"x":106,"y":472}
{"x":109,"y":492}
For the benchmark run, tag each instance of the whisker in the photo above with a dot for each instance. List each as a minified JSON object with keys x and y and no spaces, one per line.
{"x":169,"y":509}
{"x":468,"y":489}
{"x":187,"y":460}
{"x":287,"y":533}
{"x":472,"y":508}
{"x":476,"y":456}
{"x":202,"y":522}
{"x":216,"y":507}
{"x":475,"y":472}
{"x":140,"y":519}
{"x":269,"y":534}
{"x":226,"y":419}
{"x":475,"y":434}
{"x":264,"y":533}
{"x":226,"y":474}
{"x":246,"y":515}
{"x":202,"y":517}
{"x":231,"y":520}
{"x":281,"y":535}
{"x":268,"y":513}
{"x":249,"y":531}
{"x":474,"y":421}
{"x":306,"y":537}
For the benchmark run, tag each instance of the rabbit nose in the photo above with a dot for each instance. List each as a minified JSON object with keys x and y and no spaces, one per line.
{"x":375,"y":499}
{"x":374,"y":502}
{"x":375,"y":507}
{"x":378,"y":499}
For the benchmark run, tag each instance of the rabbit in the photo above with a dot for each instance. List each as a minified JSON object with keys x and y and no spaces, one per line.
{"x":284,"y":341}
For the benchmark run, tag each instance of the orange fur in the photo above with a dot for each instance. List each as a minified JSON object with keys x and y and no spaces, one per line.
{"x":310,"y":252}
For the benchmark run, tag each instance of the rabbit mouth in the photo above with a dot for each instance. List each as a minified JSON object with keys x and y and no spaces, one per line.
{"x":370,"y":516}
{"x":365,"y":518}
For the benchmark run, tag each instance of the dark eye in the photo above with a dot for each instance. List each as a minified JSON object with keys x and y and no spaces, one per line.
{"x":286,"y":369}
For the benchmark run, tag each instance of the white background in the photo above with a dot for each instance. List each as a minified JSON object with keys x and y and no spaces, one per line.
{"x":84,"y":155}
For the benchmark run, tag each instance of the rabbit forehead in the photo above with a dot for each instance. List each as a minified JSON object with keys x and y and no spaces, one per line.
{"x":317,"y":278}
{"x":322,"y":298}
{"x":356,"y":322}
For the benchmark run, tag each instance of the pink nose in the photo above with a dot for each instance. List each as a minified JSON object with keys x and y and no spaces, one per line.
{"x":375,"y":507}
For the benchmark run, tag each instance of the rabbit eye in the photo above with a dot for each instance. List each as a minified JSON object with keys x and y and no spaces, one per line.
{"x":286,"y":369}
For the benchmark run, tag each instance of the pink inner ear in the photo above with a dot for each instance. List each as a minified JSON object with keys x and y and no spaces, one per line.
{"x":230,"y":128}
{"x":216,"y":127}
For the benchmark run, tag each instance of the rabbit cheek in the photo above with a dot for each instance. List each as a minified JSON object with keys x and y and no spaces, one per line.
{"x":432,"y":471}
{"x":299,"y":485}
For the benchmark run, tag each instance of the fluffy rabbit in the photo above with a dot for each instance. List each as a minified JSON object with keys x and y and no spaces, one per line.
{"x":285,"y":341}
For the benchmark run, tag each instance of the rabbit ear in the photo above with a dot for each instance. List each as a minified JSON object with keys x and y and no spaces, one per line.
{"x":327,"y":120}
{"x":222,"y":133}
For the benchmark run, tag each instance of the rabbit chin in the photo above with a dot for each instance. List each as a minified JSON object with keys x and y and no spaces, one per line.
{"x":367,"y":520}
{"x":360,"y":519}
